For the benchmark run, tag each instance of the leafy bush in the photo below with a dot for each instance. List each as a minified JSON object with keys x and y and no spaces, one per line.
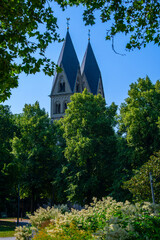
{"x":139,"y":184}
{"x":42,"y":235}
{"x":147,"y":227}
{"x":102,"y":220}
{"x":23,"y":233}
{"x":66,"y":232}
{"x":40,"y":219}
{"x":43,"y":215}
{"x":129,"y":221}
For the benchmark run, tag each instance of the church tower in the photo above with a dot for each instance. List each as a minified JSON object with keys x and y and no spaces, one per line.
{"x":91,"y":75}
{"x":64,"y":82}
{"x":73,"y":79}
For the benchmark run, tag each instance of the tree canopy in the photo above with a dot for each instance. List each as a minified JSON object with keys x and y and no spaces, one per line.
{"x":27,"y":27}
{"x":139,"y":184}
{"x":123,"y":166}
{"x":7,"y":172}
{"x":81,"y":156}
{"x":90,"y":146}
{"x":23,"y":38}
{"x":35,"y":153}
{"x":139,"y":19}
{"x":139,"y":118}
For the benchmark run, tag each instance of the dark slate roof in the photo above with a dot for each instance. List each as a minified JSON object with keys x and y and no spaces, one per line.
{"x":68,"y":59}
{"x":90,"y":68}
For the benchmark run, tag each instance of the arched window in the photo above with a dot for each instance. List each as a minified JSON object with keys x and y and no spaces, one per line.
{"x":61,"y":84}
{"x":58,"y":107}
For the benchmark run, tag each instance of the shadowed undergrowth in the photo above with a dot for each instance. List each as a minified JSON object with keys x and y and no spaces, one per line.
{"x":7,"y":228}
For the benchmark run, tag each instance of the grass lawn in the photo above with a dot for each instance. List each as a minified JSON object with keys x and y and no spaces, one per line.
{"x":7,"y":228}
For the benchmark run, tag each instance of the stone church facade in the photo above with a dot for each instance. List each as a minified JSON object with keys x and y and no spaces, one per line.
{"x":74,"y":78}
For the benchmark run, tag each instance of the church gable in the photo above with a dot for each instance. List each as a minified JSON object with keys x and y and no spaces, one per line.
{"x":61,"y":84}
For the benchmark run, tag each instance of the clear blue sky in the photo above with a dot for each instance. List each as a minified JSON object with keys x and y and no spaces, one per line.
{"x":118,"y":72}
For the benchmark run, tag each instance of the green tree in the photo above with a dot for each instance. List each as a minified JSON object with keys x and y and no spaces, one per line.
{"x":139,"y":19}
{"x":90,"y":147}
{"x":7,"y":175}
{"x":139,"y":184}
{"x":60,"y":181}
{"x":123,"y":166}
{"x":138,"y":119}
{"x":35,"y":153}
{"x":27,"y":27}
{"x":23,"y":38}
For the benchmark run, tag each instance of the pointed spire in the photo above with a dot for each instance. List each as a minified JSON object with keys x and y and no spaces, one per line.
{"x":90,"y":68}
{"x":69,"y":61}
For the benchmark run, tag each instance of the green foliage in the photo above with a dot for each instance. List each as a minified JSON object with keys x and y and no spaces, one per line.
{"x":23,"y":233}
{"x":28,"y":26}
{"x":139,"y":184}
{"x":137,"y":227}
{"x":138,"y":118}
{"x":147,"y":228}
{"x":122,"y":169}
{"x":90,"y":146}
{"x":105,"y":219}
{"x":60,"y":180}
{"x":42,"y":235}
{"x":138,"y":19}
{"x":43,"y":215}
{"x":68,"y":232}
{"x":22,"y":36}
{"x":40,"y":219}
{"x":7,"y":170}
{"x":35,"y":153}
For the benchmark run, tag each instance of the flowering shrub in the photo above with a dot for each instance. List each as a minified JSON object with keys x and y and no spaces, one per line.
{"x":41,"y":235}
{"x":70,"y":232}
{"x":102,"y":220}
{"x":43,"y":215}
{"x":23,"y":233}
{"x":129,"y":221}
{"x":40,"y":219}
